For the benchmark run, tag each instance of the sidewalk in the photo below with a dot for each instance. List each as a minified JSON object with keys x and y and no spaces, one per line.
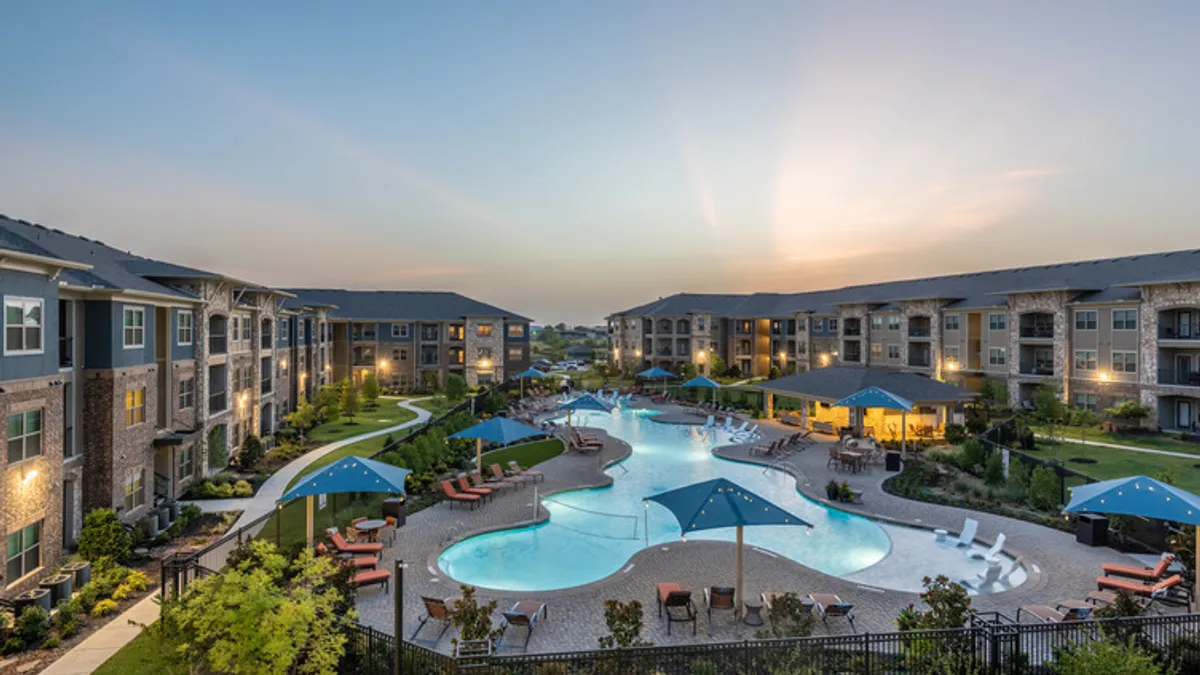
{"x":264,"y":500}
{"x":1118,"y":446}
{"x":90,"y":654}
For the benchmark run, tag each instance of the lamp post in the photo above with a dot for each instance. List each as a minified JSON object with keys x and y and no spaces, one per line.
{"x":398,"y":658}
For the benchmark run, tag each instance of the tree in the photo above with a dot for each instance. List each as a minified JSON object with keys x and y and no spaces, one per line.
{"x":348,"y":402}
{"x":1044,"y":492}
{"x":456,"y":388}
{"x":687,"y":370}
{"x":1083,"y":418}
{"x":1048,"y":407}
{"x":993,"y":473}
{"x":327,"y":403}
{"x":717,"y":366}
{"x":370,"y":390}
{"x":992,"y":393}
{"x":103,"y":536}
{"x":1104,"y":657}
{"x":625,"y":623}
{"x":251,"y":452}
{"x":303,"y":417}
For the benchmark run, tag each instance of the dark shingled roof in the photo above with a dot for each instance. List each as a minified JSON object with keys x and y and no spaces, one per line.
{"x":1090,"y":280}
{"x":837,"y":382}
{"x":385,"y":305}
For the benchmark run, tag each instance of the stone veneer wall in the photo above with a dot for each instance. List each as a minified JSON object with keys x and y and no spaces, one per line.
{"x":1156,"y":299}
{"x":1054,"y":303}
{"x":473,"y":343}
{"x":703,"y":363}
{"x":864,"y":339}
{"x":28,"y":497}
{"x":111,"y":449}
{"x":931,"y":309}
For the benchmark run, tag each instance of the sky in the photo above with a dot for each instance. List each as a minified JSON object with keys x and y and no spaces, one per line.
{"x":566,"y":160}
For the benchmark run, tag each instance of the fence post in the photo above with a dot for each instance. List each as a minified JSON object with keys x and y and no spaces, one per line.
{"x":866,"y":652}
{"x":745,"y":656}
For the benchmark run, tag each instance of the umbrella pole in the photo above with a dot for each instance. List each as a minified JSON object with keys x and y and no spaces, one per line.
{"x":522,"y":386}
{"x":739,"y":593}
{"x":1196,"y":574}
{"x":904,"y":435}
{"x":479,"y":455}
{"x":308,"y":518}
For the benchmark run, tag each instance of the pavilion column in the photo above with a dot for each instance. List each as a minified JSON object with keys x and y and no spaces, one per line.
{"x":768,"y":405}
{"x":804,"y":413}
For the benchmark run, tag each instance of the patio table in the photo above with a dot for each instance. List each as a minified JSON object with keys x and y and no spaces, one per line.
{"x":855,"y":460}
{"x":370,"y":528}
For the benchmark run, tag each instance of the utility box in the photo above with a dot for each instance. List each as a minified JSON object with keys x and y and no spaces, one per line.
{"x":1091,"y":529}
{"x":892,"y":461}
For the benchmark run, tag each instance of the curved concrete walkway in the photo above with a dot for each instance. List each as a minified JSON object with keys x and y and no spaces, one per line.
{"x":264,"y":500}
{"x":1131,"y":448}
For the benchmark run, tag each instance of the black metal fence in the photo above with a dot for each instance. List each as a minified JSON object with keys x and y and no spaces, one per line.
{"x":988,"y":647}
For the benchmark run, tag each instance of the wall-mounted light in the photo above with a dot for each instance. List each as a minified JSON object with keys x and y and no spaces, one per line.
{"x":30,"y":475}
{"x":1104,"y":377}
{"x":952,"y":366}
{"x":283,"y":363}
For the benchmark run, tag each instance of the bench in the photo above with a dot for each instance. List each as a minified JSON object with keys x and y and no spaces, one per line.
{"x":822,"y":427}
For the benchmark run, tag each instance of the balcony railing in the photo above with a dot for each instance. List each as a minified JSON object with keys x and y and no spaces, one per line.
{"x":366,"y":335}
{"x":1043,"y":332}
{"x":217,"y":402}
{"x":918,"y":332}
{"x":1040,"y":368}
{"x":852,"y":331}
{"x":266,"y":385}
{"x":919,"y":362}
{"x":1185,"y":377}
{"x":66,"y":352}
{"x":266,"y":341}
{"x":1178,"y":333}
{"x":427,"y":360}
{"x":218,"y":344}
{"x":853,"y":357}
{"x":429,"y":335}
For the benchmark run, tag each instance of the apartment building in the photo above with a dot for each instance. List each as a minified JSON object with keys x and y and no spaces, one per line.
{"x":123,"y":378}
{"x":1102,"y":330}
{"x":414,"y":339}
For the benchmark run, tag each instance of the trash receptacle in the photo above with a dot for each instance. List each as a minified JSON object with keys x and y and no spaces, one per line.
{"x":397,"y":509}
{"x":1091,"y":529}
{"x":892,"y":461}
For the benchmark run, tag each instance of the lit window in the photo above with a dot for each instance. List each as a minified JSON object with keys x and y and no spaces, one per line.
{"x":515,"y":354}
{"x":24,"y":435}
{"x":184,"y":330}
{"x":135,"y":406}
{"x":135,"y":327}
{"x":1124,"y":362}
{"x":516,"y":330}
{"x":997,"y":321}
{"x":135,"y":489}
{"x":997,"y":356}
{"x":876,"y":350}
{"x":1124,"y":319}
{"x":22,"y":325}
{"x":1085,"y":359}
{"x":483,"y":330}
{"x":1086,"y":319}
{"x":23,"y":552}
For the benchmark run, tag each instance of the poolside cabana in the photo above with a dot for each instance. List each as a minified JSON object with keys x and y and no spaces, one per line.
{"x":349,"y":474}
{"x":935,"y":403}
{"x":584,"y":402}
{"x":496,"y":430}
{"x":702,"y":382}
{"x":656,"y":374}
{"x":530,"y":373}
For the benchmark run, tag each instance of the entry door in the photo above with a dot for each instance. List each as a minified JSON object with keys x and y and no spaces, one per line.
{"x":68,"y":519}
{"x":1183,"y":414}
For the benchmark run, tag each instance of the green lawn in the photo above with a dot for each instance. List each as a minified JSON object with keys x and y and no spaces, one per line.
{"x":527,"y":454}
{"x":142,"y":655}
{"x":1167,"y":442}
{"x":1114,"y":463}
{"x":437,"y":405}
{"x":364,"y":448}
{"x":386,"y":414}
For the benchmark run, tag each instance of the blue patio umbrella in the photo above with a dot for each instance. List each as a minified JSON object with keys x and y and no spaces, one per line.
{"x":532,"y":372}
{"x":1138,"y":496}
{"x":874,"y":397}
{"x":349,"y":474}
{"x":584,"y":402}
{"x":496,"y":430}
{"x":654,"y":373}
{"x":704,"y":383}
{"x":720,"y":503}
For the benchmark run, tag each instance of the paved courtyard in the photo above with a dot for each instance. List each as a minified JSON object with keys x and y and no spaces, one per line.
{"x":1058,"y":567}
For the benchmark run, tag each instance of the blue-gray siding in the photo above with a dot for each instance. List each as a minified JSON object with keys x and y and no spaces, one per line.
{"x":104,"y":327}
{"x":25,"y":285}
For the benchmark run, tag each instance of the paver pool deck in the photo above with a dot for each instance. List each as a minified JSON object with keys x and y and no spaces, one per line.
{"x":1059,"y":568}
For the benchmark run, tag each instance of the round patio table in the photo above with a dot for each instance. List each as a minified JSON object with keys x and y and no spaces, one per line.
{"x":370,"y":528}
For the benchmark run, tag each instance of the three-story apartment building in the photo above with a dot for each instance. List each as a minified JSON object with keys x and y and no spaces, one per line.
{"x":123,"y":378}
{"x":1102,"y":330}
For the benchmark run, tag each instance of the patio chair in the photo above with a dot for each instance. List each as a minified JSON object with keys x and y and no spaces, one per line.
{"x":764,"y":449}
{"x":740,"y":429}
{"x":830,"y":605}
{"x":524,"y":614}
{"x":1146,"y":573}
{"x":435,"y":610}
{"x":1045,"y":614}
{"x":465,"y":487}
{"x":992,"y":554}
{"x":967,"y":536}
{"x":718,"y":597}
{"x":342,"y":546}
{"x":453,"y":495}
{"x":390,"y":528}
{"x":359,"y":562}
{"x":478,"y":481}
{"x":986,"y":578}
{"x":835,"y":458}
{"x":1138,"y":588}
{"x":678,"y":603}
{"x":537,"y":475}
{"x":498,"y":476}
{"x":372,"y":578}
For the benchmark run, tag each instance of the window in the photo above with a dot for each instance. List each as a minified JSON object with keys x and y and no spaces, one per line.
{"x":833,"y":325}
{"x":399,"y":330}
{"x":484,"y":352}
{"x":23,"y":552}
{"x":516,"y":330}
{"x":185,"y":463}
{"x":1086,"y":319}
{"x":893,"y":323}
{"x":1124,"y":319}
{"x":1085,"y":359}
{"x":802,"y":348}
{"x":516,"y":354}
{"x":237,"y":379}
{"x":135,"y":406}
{"x":699,"y":324}
{"x":187,"y":393}
{"x":877,"y":323}
{"x":818,"y":324}
{"x":135,"y":327}
{"x":299,"y":329}
{"x":950,"y":353}
{"x":876,"y":350}
{"x":22,"y":325}
{"x":997,"y":321}
{"x":403,"y":354}
{"x":184,"y":328}
{"x":893,"y":351}
{"x":950,"y":322}
{"x":997,"y":356}
{"x":247,"y":377}
{"x":285,"y":330}
{"x":24,"y":435}
{"x":245,"y":328}
{"x":802,"y":324}
{"x":1124,"y":362}
{"x":1087,"y":401}
{"x":234,"y":322}
{"x":135,"y":489}
{"x":483,"y":330}
{"x":395,"y":354}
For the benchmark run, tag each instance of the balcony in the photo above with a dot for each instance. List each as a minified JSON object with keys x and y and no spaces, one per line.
{"x":457,"y":356}
{"x":1036,"y":327}
{"x":852,"y":352}
{"x":919,"y":356}
{"x":66,"y":352}
{"x":217,"y":345}
{"x":429,"y":333}
{"x":1179,"y":377}
{"x":1179,"y":324}
{"x":683,"y":327}
{"x":919,"y":327}
{"x":218,"y":331}
{"x":266,"y":341}
{"x":365,"y":335}
{"x":852,"y":328}
{"x":666,"y":327}
{"x":743,"y":327}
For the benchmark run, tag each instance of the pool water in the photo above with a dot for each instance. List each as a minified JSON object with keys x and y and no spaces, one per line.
{"x":593,"y":533}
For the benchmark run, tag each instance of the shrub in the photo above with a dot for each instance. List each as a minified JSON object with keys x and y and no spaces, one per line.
{"x":51,"y":642}
{"x":993,"y":474}
{"x":13,"y":645}
{"x":955,"y":434}
{"x":624,"y":621}
{"x":136,"y":581}
{"x":788,"y":617}
{"x":702,"y":666}
{"x":972,"y":456}
{"x":103,"y":536}
{"x":242,"y":489}
{"x":1018,"y":474}
{"x":977,"y":425}
{"x":251,"y":452}
{"x":32,"y":625}
{"x":68,"y":612}
{"x":960,"y":486}
{"x":1043,"y":489}
{"x":949,"y":607}
{"x":1107,"y":657}
{"x":190,"y":512}
{"x":68,"y":629}
{"x":104,"y":608}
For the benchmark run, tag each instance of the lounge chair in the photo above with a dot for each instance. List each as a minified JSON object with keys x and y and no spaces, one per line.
{"x":339,"y":543}
{"x":764,"y":449}
{"x":828,"y":604}
{"x":1145,"y":573}
{"x":524,"y":614}
{"x":676,"y":600}
{"x":360,"y":562}
{"x":986,"y":578}
{"x":1047,"y":614}
{"x":516,"y":468}
{"x":1138,"y":588}
{"x":435,"y":610}
{"x":371,"y":578}
{"x":728,"y":426}
{"x":465,"y":487}
{"x":967,"y":536}
{"x":498,"y":475}
{"x":478,"y":481}
{"x":454,"y":496}
{"x":708,"y":424}
{"x":992,"y":554}
{"x":740,"y":429}
{"x":718,"y":597}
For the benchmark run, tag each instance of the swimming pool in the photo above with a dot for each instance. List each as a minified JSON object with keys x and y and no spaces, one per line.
{"x":592,"y":533}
